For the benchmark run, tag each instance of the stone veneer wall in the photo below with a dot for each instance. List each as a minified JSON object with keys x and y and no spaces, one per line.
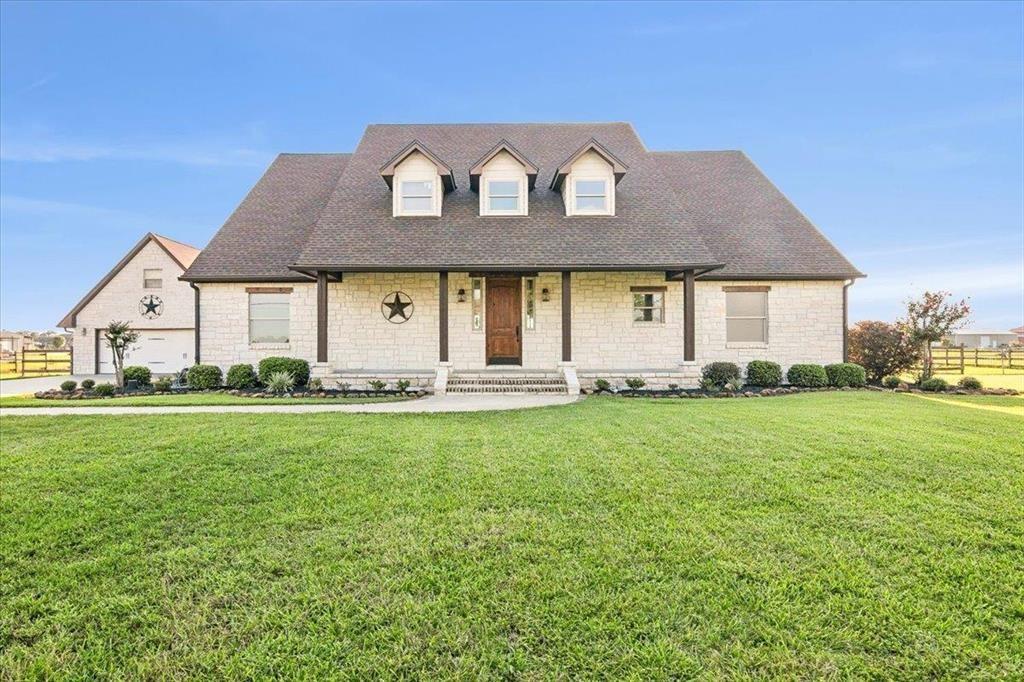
{"x":805,"y":325}
{"x":119,"y":300}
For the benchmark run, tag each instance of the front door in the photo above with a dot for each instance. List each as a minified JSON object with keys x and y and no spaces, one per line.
{"x":504,"y":312}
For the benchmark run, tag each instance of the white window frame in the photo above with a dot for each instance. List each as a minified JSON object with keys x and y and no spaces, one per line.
{"x":764,"y":318}
{"x":148,"y":279}
{"x":657,"y":304}
{"x":520,"y":196}
{"x":431,"y":210}
{"x":529,"y":303}
{"x":476,"y":289}
{"x":265,"y":342}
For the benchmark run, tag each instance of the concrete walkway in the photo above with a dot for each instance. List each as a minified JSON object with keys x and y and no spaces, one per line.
{"x":447,"y":403}
{"x":9,"y":387}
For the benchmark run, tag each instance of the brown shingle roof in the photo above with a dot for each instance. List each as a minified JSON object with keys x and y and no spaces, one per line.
{"x":673,"y":210}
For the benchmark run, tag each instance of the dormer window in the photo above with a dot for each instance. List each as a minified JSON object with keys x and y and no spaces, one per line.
{"x":503,"y":177}
{"x":587,"y":180}
{"x":591,"y":196}
{"x":503,"y":196}
{"x":418,"y":179}
{"x":417,"y":196}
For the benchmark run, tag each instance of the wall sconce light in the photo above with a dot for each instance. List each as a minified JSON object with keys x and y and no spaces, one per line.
{"x":462,"y":296}
{"x":545,"y":295}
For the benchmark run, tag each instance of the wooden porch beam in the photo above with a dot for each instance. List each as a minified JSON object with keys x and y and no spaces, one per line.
{"x":566,"y":316}
{"x":689,"y":327}
{"x":321,"y":316}
{"x":442,"y":315}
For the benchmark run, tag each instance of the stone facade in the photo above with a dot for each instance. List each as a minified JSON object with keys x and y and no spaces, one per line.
{"x":119,"y":300}
{"x":805,"y":324}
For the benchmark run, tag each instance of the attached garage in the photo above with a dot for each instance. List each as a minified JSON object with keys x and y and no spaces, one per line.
{"x":164,"y":351}
{"x":143,"y":290}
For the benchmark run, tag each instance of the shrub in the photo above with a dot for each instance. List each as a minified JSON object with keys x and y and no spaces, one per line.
{"x":720,"y":373}
{"x":935,"y":385}
{"x":87,"y":384}
{"x":241,"y":376}
{"x":402,"y":384}
{"x":105,"y":390}
{"x":316,"y":384}
{"x":204,"y":376}
{"x":843,"y":374}
{"x":280,"y":382}
{"x":763,"y":373}
{"x":807,"y":376}
{"x":138,"y":373}
{"x":891,"y":382}
{"x":299,"y":369}
{"x":882,"y":349}
{"x":602,"y":385}
{"x":709,"y":385}
{"x":734,"y":385}
{"x":68,"y":386}
{"x":377,"y":385}
{"x":969,"y":384}
{"x":162,"y":385}
{"x":673,"y":387}
{"x":635,"y":383}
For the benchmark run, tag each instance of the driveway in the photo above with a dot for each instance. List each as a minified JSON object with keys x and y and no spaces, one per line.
{"x":21,"y":386}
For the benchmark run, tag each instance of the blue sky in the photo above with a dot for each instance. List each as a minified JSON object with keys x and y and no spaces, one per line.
{"x":897,"y":128}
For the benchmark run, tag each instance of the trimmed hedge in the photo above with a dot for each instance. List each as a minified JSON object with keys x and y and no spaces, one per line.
{"x":299,"y":369}
{"x":87,"y":384}
{"x":105,"y":390}
{"x":934,"y":385}
{"x":807,"y":376}
{"x":720,"y":373}
{"x":891,"y":382}
{"x":843,"y":374}
{"x":241,"y":376}
{"x":68,"y":386}
{"x":204,"y":376}
{"x":764,"y":373}
{"x":969,"y":384}
{"x":138,"y":373}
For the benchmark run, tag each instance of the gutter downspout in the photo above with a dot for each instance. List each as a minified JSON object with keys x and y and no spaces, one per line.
{"x":846,"y":319}
{"x":196,"y":289}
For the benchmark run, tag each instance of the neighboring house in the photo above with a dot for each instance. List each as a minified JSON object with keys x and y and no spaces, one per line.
{"x":489,"y":253}
{"x":975,"y":338}
{"x":143,"y":289}
{"x":1019,"y":331}
{"x":12,"y":343}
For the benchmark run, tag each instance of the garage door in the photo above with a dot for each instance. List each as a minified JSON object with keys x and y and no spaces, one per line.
{"x":164,"y":351}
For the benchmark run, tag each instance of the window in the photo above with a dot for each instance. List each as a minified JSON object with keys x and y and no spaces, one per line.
{"x":591,"y":196}
{"x":268,"y":318}
{"x":152,"y":279}
{"x":648,"y":304}
{"x":503,"y":196}
{"x":746,"y":316}
{"x":531,"y":303}
{"x":478,"y":304}
{"x":417,"y":196}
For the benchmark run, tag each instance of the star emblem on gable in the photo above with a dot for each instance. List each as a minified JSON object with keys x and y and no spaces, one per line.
{"x":397,"y":307}
{"x":151,"y":306}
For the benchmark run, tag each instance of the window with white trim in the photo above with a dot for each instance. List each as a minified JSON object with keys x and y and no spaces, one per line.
{"x":648,"y":304}
{"x":746,"y":316}
{"x":269,"y":315}
{"x":591,"y":195}
{"x":530,"y":284}
{"x":503,"y":197}
{"x":478,"y":304}
{"x":152,"y":278}
{"x":417,"y":196}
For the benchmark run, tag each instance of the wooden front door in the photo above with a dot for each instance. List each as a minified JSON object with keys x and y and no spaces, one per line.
{"x":504,"y":313}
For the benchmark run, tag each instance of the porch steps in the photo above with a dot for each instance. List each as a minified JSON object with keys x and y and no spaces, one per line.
{"x":481,"y":382}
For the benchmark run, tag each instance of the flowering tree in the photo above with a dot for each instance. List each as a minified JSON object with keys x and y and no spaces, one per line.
{"x":929,"y":319}
{"x":882,"y":349}
{"x":119,"y":336}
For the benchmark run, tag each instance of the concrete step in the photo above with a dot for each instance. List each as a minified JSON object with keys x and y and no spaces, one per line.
{"x":508,"y":389}
{"x":509,"y":383}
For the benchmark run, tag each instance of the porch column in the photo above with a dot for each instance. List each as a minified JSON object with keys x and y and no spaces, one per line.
{"x":689,"y":334}
{"x":321,"y":316}
{"x":566,"y":316}
{"x":442,"y":315}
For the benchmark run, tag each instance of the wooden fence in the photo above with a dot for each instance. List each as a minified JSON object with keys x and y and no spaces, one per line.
{"x":957,"y":359}
{"x":35,"y":363}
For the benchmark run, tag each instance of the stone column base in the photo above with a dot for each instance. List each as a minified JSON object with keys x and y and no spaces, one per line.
{"x":441,"y":378}
{"x":572,"y":381}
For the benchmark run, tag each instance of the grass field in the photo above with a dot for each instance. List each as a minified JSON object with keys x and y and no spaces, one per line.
{"x":800,"y":536}
{"x":990,"y":377}
{"x":183,"y":399}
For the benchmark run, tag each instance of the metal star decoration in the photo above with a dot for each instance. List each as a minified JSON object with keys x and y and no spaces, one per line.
{"x":150,"y":306}
{"x":397,"y":307}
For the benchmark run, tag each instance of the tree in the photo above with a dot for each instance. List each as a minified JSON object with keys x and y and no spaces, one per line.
{"x":57,"y":341}
{"x":882,"y":349}
{"x":929,"y":319}
{"x":120,"y":336}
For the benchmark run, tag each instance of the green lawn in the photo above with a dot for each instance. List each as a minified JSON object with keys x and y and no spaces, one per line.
{"x":835,"y":535}
{"x":990,"y":377}
{"x":182,"y":399}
